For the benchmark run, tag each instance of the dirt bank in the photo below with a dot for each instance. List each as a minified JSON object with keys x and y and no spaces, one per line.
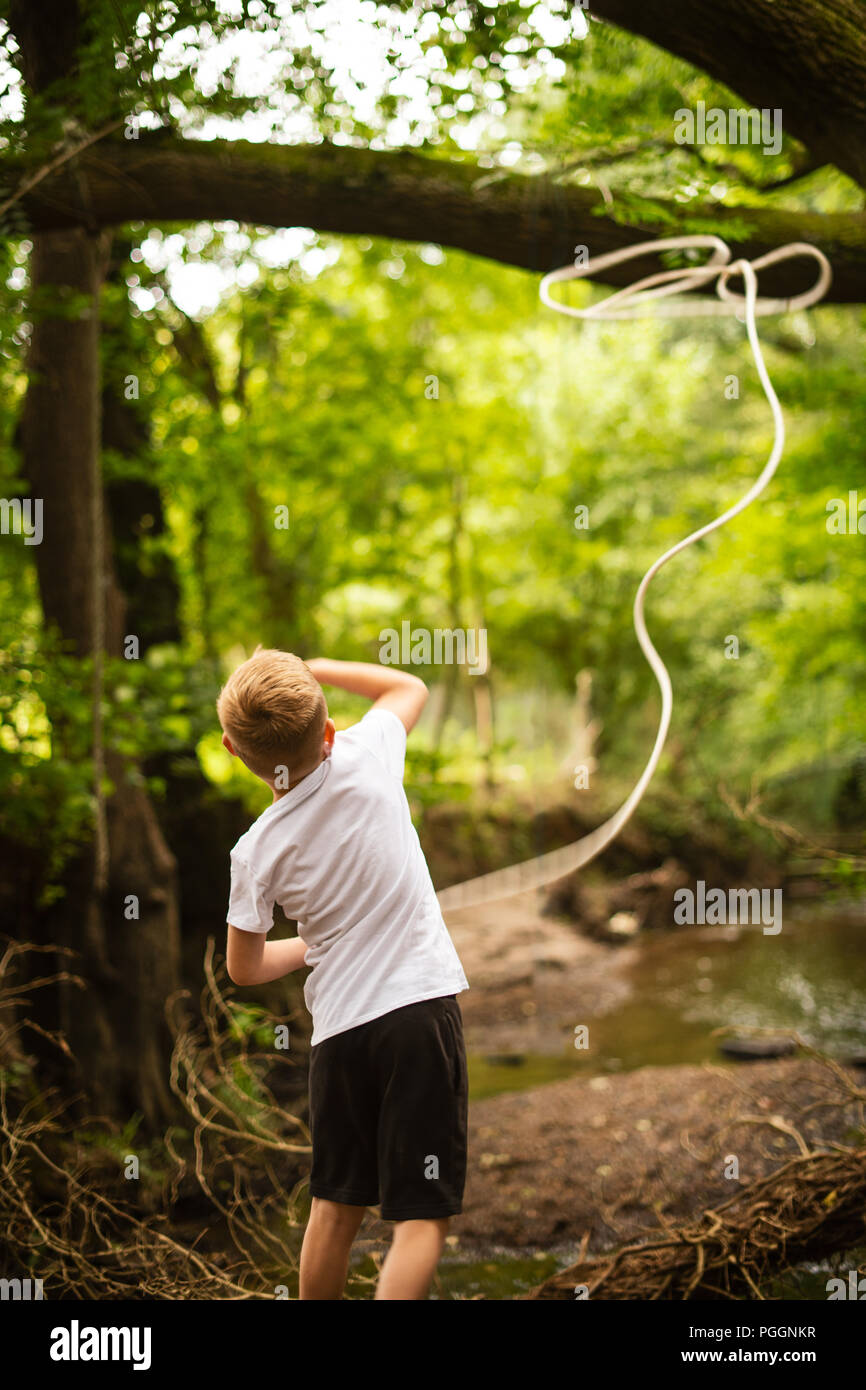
{"x":611,"y":1155}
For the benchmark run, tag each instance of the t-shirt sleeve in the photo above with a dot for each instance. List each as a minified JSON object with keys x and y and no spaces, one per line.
{"x":384,"y":734}
{"x":251,"y":906}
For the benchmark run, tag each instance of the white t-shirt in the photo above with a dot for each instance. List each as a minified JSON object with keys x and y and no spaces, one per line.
{"x":341,"y":856}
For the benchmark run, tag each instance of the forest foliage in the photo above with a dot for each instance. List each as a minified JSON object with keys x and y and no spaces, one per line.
{"x":349,"y":433}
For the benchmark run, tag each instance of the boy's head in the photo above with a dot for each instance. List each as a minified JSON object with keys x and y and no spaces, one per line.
{"x":274,"y":715}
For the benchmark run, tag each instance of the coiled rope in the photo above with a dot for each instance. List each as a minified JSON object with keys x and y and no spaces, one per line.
{"x":628,"y":303}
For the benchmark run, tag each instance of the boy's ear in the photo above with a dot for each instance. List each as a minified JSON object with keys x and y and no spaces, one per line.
{"x":227,"y":744}
{"x":330,"y":731}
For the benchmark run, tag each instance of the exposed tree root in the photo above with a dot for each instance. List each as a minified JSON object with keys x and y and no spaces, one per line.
{"x":812,"y":1206}
{"x":75,"y":1216}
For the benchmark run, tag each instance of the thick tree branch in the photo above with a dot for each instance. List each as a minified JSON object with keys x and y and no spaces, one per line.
{"x":523,"y":221}
{"x":805,"y":165}
{"x":805,"y":57}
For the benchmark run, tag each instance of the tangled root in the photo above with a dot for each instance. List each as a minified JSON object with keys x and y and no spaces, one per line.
{"x":68,"y":1217}
{"x":812,"y":1206}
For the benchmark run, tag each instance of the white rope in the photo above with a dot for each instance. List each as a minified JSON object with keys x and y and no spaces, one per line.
{"x":630,"y":303}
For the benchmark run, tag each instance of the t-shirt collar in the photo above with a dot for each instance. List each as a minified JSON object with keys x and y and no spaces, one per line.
{"x":295,"y":795}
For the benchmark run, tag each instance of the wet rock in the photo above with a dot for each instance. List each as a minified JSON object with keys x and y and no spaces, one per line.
{"x":621,"y":909}
{"x":624,"y":924}
{"x":751,"y":1049}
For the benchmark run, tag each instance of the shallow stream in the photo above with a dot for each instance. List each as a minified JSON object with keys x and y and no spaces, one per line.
{"x":810,"y":977}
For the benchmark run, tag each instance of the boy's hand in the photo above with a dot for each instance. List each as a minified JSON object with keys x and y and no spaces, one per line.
{"x":389,"y":688}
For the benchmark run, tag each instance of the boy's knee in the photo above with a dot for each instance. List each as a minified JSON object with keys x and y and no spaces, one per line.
{"x":338,"y":1214}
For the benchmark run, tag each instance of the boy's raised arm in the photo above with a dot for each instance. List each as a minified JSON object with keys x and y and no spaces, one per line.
{"x":389,"y":688}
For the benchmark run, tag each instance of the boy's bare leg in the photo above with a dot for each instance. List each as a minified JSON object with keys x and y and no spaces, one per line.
{"x":325,"y":1252}
{"x":411,"y":1262}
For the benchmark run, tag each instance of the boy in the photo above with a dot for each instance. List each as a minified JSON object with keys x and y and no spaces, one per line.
{"x":338,"y":851}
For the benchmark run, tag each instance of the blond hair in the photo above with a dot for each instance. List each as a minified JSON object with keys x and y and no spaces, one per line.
{"x":274,"y":712}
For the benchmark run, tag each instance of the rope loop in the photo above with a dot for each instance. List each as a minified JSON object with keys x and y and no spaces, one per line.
{"x":627,"y":303}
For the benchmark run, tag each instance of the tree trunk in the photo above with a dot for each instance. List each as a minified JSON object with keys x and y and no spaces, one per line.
{"x":451,"y":677}
{"x":134,"y":502}
{"x":116,"y":1028}
{"x":483,"y":696}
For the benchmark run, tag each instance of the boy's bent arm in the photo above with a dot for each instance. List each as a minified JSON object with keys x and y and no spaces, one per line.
{"x":389,"y":688}
{"x":251,"y":960}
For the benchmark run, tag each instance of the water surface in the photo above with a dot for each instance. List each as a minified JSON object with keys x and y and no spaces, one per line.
{"x":810,"y":977}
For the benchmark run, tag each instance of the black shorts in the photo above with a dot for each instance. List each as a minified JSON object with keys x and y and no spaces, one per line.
{"x":388,"y":1113}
